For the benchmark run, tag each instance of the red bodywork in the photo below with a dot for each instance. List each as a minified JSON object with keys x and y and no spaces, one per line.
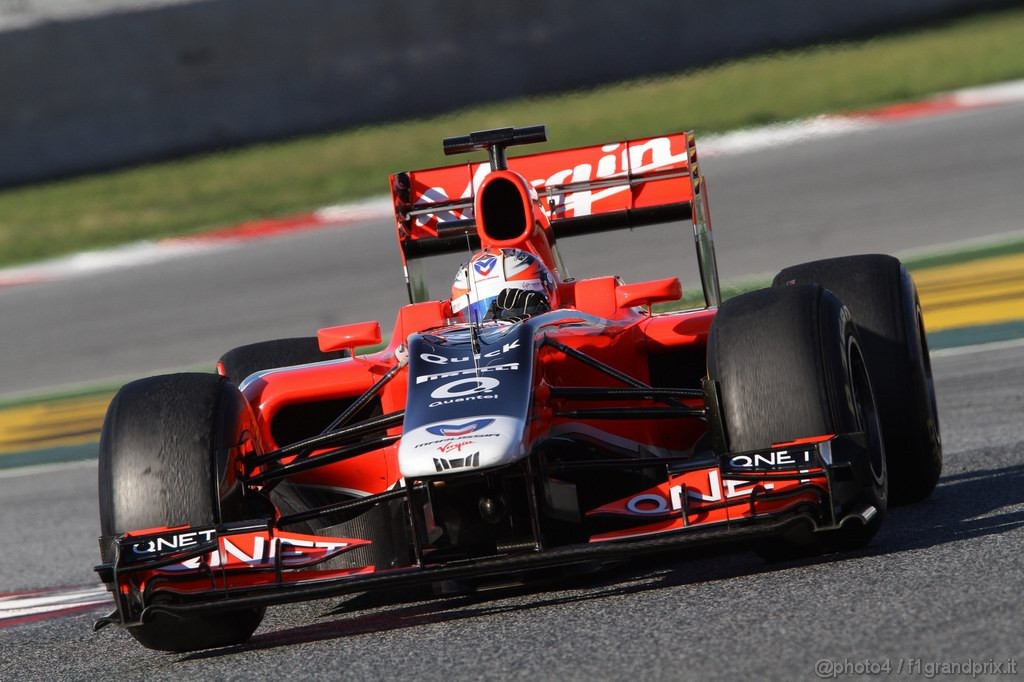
{"x":630,"y":175}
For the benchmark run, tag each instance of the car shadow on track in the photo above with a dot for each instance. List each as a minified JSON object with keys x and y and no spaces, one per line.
{"x":964,"y":506}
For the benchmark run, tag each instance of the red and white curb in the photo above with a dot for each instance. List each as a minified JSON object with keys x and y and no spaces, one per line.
{"x":380,"y":208}
{"x":329,"y":216}
{"x":835,"y":125}
{"x":19,"y":608}
{"x":151,"y":252}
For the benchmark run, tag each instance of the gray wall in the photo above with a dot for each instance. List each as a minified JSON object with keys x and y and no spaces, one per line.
{"x":151,"y":80}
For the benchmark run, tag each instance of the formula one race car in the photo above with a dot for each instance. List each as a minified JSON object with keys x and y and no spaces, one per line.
{"x":531,"y":424}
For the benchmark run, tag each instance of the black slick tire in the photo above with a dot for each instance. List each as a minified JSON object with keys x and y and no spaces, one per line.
{"x":788,"y":365}
{"x":882,"y":298}
{"x":164,"y":461}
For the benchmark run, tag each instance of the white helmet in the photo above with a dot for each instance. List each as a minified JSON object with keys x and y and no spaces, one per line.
{"x":479,"y":283}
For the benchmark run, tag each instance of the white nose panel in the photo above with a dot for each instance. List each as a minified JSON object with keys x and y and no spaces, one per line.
{"x":459,"y":445}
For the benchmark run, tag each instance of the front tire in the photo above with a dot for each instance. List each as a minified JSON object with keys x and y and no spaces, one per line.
{"x":886,"y":310}
{"x":788,"y":365}
{"x":165,"y":460}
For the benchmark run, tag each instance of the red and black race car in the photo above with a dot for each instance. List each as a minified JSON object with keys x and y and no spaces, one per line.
{"x":531,"y":424}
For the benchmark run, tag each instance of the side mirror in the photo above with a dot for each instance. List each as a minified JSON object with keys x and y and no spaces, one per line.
{"x":648,"y":293}
{"x":349,"y":336}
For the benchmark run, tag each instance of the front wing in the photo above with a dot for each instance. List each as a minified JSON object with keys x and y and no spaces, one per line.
{"x":187,"y":571}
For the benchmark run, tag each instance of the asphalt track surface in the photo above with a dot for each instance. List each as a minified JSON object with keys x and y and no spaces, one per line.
{"x":908,"y":185}
{"x":941,"y":583}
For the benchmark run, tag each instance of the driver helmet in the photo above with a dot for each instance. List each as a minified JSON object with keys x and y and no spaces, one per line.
{"x":499,"y":281}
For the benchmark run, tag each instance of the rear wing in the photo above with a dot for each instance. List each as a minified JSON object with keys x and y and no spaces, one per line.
{"x":622,"y":185}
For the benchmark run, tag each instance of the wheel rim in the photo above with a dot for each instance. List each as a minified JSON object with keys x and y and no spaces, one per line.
{"x":866,"y":411}
{"x":929,"y":381}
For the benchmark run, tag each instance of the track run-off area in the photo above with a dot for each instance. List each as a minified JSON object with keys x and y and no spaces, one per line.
{"x":940,"y":584}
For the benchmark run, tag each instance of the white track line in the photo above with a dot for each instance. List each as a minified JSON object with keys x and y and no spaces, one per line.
{"x":977,"y":348}
{"x":33,"y":469}
{"x":47,"y":601}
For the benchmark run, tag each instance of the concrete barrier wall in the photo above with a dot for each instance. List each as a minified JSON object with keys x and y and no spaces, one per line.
{"x":92,"y":92}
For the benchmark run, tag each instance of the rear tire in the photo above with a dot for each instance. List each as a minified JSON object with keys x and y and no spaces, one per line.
{"x":239,"y":363}
{"x":165,"y":460}
{"x":788,"y":365}
{"x":886,"y":310}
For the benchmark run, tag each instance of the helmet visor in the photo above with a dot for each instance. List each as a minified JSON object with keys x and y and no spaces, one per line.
{"x":477,"y":311}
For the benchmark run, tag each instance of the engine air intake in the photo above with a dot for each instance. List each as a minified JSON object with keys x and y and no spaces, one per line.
{"x":503,"y":210}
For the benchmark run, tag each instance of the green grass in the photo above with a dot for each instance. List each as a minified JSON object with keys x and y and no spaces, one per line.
{"x":267,"y":180}
{"x":82,"y":392}
{"x":999,"y":247}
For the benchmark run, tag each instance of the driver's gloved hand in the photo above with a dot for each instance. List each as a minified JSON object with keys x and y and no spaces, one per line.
{"x":517,"y":303}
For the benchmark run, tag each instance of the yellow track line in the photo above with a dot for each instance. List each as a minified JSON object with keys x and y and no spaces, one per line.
{"x":988,"y":291}
{"x":65,"y":421}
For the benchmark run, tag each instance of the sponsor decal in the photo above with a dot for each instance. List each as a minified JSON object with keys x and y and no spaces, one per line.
{"x":173,"y":543}
{"x":461,"y":390}
{"x":455,"y":438}
{"x":484,"y":265}
{"x":617,"y":160}
{"x":442,"y":360}
{"x":454,"y":446}
{"x":509,"y":366}
{"x":655,"y":504}
{"x":242,"y":550}
{"x":774,"y":459}
{"x":463,"y":387}
{"x":439,"y":403}
{"x":650,"y":504}
{"x":459,"y":429}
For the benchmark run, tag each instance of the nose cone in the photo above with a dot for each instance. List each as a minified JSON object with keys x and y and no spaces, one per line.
{"x":460,"y":445}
